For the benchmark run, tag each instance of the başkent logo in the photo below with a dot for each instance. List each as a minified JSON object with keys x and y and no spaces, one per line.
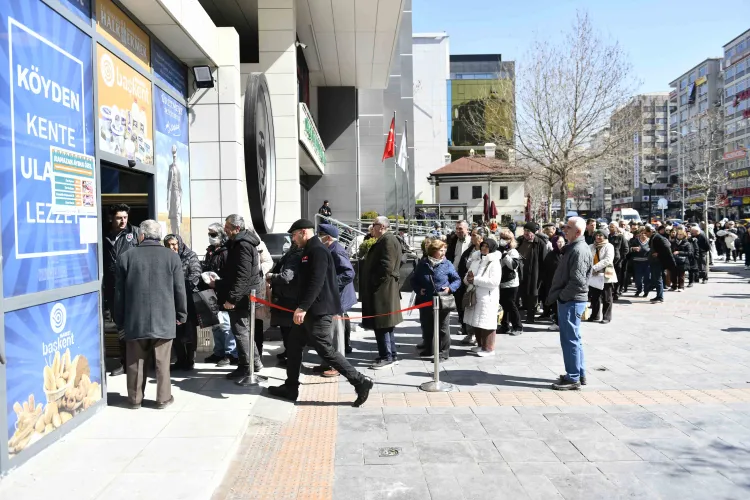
{"x":58,"y":316}
{"x":260,"y":153}
{"x":107,"y":67}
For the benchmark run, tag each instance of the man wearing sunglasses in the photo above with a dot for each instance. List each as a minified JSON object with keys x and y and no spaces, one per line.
{"x":319,"y":301}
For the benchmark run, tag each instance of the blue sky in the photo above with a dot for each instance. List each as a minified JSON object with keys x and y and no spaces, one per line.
{"x":664,"y":39}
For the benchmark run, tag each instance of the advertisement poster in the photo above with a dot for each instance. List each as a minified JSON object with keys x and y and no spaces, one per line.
{"x":54,"y":367}
{"x":74,"y":183}
{"x":45,"y":103}
{"x":115,"y":26}
{"x":172,"y":165}
{"x":168,"y":70}
{"x":124,"y":109}
{"x":80,"y":7}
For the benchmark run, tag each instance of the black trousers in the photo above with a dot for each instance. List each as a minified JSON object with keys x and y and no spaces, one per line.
{"x":602,"y":299}
{"x":347,"y":331}
{"x":530,"y":302}
{"x":184,"y":344}
{"x":316,"y":332}
{"x":240,"y":324}
{"x":427,"y":319}
{"x":510,"y":308}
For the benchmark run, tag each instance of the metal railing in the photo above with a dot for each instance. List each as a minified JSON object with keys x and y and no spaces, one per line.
{"x":350,"y":236}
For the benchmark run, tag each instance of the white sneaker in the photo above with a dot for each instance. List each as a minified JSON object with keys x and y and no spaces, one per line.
{"x":476,"y":349}
{"x":468,"y":340}
{"x":484,"y":354}
{"x":747,"y":268}
{"x":554,"y":328}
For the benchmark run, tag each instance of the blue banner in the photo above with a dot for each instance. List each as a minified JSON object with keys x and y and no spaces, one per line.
{"x":46,"y":101}
{"x":172,"y":165}
{"x":54,"y":367}
{"x":168,"y":70}
{"x":80,"y":7}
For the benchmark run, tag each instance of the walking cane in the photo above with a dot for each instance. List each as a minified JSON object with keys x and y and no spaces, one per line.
{"x":435,"y":385}
{"x":252,"y":379}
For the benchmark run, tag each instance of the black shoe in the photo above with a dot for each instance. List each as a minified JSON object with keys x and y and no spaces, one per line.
{"x":283,"y":392}
{"x":234,"y":361}
{"x":348,"y":349}
{"x":605,"y":321}
{"x":281,"y":362}
{"x":363,"y":392}
{"x":637,"y":294}
{"x":690,"y":285}
{"x":281,"y":355}
{"x":320,"y":369}
{"x":240,"y":372}
{"x":213,"y":359}
{"x":704,"y":281}
{"x":182,"y":367}
{"x":383,"y":363}
{"x":503,"y":329}
{"x":515,"y":332}
{"x":656,"y":299}
{"x":132,"y":406}
{"x":222,"y":362}
{"x":566,"y":385}
{"x":161,"y":406}
{"x":443,"y":358}
{"x":117,"y":372}
{"x":563,"y":378}
{"x":425,"y":353}
{"x":420,"y":346}
{"x":258,"y":367}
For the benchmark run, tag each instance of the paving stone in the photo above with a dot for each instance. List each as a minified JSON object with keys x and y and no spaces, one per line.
{"x":525,"y":450}
{"x":584,"y":487}
{"x":349,"y":453}
{"x":401,"y":488}
{"x":407,"y":453}
{"x":452,"y":470}
{"x":628,"y":486}
{"x":539,"y":468}
{"x":502,"y":486}
{"x":539,"y":487}
{"x":604,"y":451}
{"x":485,"y":451}
{"x":564,"y":450}
{"x":446,"y":451}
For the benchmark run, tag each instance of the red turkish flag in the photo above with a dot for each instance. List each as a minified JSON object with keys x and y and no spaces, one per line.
{"x":390,"y":143}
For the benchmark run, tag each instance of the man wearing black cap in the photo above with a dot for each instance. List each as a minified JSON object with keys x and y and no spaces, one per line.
{"x":533,"y":250}
{"x":318,"y":302}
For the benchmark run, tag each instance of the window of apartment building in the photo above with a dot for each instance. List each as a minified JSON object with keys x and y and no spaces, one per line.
{"x":702,"y":71}
{"x":683,"y":99}
{"x":730,"y":128}
{"x":703,"y":106}
{"x":683,"y":115}
{"x":476,"y":192}
{"x":729,"y":91}
{"x":661,"y":121}
{"x":684,"y":130}
{"x":740,"y":86}
{"x":673,"y":119}
{"x":454,"y":192}
{"x":729,"y":73}
{"x":703,"y":90}
{"x":683,"y":83}
{"x":691,"y":78}
{"x":648,"y":121}
{"x":741,"y":66}
{"x":503,"y":192}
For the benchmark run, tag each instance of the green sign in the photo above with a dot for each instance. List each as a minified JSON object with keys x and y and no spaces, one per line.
{"x":310,"y":138}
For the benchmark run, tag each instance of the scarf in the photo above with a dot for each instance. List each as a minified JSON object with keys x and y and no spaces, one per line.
{"x":600,"y":245}
{"x":434,"y":262}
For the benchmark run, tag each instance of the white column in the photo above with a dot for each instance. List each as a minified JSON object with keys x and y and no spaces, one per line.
{"x":217,"y":180}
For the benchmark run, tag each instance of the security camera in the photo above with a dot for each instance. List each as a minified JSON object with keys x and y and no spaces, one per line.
{"x":131,"y":163}
{"x":300,"y":44}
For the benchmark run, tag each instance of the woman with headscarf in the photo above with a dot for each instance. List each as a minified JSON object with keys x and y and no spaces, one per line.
{"x":551,"y":261}
{"x":604,"y":256}
{"x":187,"y":333}
{"x":483,"y":278}
{"x":477,"y":237}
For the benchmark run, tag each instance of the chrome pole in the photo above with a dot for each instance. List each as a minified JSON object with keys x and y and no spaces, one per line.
{"x":252,"y":379}
{"x":435,"y":385}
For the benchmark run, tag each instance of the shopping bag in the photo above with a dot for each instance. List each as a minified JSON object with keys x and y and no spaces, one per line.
{"x":500,"y":316}
{"x":586,"y":313}
{"x":206,"y":308}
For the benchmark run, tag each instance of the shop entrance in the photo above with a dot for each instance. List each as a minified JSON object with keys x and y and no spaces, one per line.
{"x":136,"y":190}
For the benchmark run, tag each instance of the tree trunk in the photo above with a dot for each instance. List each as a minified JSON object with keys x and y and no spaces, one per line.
{"x":549,"y":203}
{"x":563,"y":197}
{"x":705,"y":219}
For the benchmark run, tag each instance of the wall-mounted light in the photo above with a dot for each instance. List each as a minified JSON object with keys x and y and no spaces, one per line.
{"x":203,"y":78}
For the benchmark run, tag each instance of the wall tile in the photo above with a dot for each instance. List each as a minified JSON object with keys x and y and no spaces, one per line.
{"x":204,"y":160}
{"x":232,"y":161}
{"x":229,"y":85}
{"x":276,"y":19}
{"x":204,"y":196}
{"x":204,"y":123}
{"x":230,"y":123}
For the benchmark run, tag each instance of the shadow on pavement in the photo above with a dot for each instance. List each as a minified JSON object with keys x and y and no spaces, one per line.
{"x":471,"y":378}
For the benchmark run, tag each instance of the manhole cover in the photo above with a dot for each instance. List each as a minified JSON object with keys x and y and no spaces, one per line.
{"x":389,"y":452}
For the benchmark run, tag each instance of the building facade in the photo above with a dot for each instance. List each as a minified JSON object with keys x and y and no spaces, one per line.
{"x":639,"y":130}
{"x":431,"y":109}
{"x":188,"y":112}
{"x":736,"y":65}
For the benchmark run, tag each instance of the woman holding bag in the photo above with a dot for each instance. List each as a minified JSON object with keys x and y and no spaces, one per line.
{"x":434,"y":275}
{"x":482,"y":281}
{"x":603,"y":276}
{"x":509,"y":283}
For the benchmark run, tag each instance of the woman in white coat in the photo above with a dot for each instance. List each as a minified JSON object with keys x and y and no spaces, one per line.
{"x":484,"y":276}
{"x":603,"y":276}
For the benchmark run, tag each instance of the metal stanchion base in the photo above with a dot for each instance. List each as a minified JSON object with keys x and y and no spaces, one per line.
{"x":433,"y":386}
{"x":251,"y":380}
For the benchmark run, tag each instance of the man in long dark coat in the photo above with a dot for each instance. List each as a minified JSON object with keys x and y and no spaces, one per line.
{"x":533,"y":250}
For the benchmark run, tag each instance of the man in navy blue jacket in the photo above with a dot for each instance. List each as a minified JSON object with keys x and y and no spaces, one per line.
{"x":319,"y":301}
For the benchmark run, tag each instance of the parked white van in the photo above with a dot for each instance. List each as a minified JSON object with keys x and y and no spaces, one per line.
{"x":627,"y":214}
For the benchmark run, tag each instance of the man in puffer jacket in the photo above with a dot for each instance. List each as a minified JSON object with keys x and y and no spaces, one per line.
{"x":729,"y":235}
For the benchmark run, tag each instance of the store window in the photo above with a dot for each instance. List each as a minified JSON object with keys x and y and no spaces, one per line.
{"x":476,"y":192}
{"x":454,"y":192}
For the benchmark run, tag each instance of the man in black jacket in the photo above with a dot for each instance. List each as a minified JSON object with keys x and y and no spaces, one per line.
{"x":240,"y":275}
{"x":533,"y":251}
{"x":661,"y":259}
{"x":121,"y":238}
{"x":318,"y":302}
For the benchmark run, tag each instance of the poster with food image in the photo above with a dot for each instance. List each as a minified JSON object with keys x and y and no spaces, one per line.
{"x":124,"y":109}
{"x":53,"y":354}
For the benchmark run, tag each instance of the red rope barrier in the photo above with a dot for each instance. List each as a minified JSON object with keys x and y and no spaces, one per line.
{"x":269,"y":304}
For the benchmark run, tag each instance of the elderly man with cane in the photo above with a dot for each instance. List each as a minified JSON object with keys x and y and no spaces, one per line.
{"x":319,"y":302}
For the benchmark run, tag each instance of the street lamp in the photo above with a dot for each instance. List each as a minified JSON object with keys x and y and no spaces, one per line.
{"x":649,"y":178}
{"x":591,"y":196}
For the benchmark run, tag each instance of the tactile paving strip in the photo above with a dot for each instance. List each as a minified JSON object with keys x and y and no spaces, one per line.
{"x":291,"y":460}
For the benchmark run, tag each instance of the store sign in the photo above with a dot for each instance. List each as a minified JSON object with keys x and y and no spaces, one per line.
{"x":119,"y":29}
{"x":741,"y":96}
{"x":746,"y":200}
{"x":736,"y":202}
{"x":172,"y":165}
{"x":125,"y":114}
{"x":169,"y":70}
{"x":80,"y":7}
{"x":260,"y":153}
{"x":310,"y":138}
{"x":739,"y":174}
{"x":620,"y":201}
{"x":746,"y":113}
{"x":46,"y":119}
{"x":740,"y":192}
{"x":54,"y":367}
{"x":735,"y":155}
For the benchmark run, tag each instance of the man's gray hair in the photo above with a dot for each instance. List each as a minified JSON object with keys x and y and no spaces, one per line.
{"x":579,"y":223}
{"x":150,"y":229}
{"x":383,"y":221}
{"x":463,"y":221}
{"x":237,"y":221}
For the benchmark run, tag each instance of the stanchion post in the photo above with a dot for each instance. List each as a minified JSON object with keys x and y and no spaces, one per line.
{"x":252,"y":379}
{"x":435,"y":385}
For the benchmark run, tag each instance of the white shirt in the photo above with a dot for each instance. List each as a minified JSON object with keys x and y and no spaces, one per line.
{"x":460,"y":247}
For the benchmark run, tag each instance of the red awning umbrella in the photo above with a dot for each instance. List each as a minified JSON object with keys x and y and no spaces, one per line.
{"x":493,"y":210}
{"x":486,"y":208}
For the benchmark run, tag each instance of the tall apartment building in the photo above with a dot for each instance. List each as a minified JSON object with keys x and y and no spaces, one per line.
{"x":481,"y":99}
{"x":736,"y":64}
{"x":601,"y":197}
{"x":695,"y":93}
{"x":640,"y":128}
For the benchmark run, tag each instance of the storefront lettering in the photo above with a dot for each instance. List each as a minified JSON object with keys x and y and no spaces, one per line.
{"x":738,"y":174}
{"x":133,"y":86}
{"x":31,"y":80}
{"x":65,"y":341}
{"x":117,"y":27}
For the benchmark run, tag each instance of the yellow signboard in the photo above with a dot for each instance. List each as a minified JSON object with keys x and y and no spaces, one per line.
{"x":125,"y":109}
{"x":700,"y":81}
{"x":118,"y":28}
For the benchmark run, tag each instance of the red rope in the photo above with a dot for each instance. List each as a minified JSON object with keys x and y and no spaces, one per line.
{"x":269,"y":304}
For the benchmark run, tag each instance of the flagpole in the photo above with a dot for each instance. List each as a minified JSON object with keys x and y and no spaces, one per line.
{"x":406,"y":167}
{"x":395,"y":167}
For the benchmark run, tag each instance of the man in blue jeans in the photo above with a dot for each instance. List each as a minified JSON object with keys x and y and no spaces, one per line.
{"x":570,"y":290}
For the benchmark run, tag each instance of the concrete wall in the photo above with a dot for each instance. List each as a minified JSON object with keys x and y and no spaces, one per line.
{"x":431,"y":74}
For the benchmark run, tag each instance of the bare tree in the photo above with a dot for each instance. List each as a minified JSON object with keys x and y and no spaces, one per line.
{"x":567,"y":93}
{"x":705,"y":173}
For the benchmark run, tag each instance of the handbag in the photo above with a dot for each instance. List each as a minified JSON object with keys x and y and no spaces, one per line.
{"x":446,"y":299}
{"x":470,"y":297}
{"x":206,"y":308}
